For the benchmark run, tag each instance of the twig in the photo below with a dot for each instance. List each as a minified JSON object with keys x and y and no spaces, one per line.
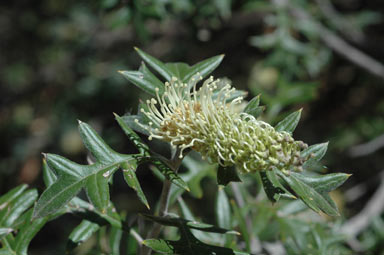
{"x":367,"y":148}
{"x":335,"y":42}
{"x":174,"y":163}
{"x":254,"y":241}
{"x":137,"y":237}
{"x":340,"y":23}
{"x":373,"y":208}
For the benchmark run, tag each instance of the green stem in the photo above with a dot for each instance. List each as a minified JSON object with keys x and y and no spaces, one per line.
{"x":162,"y":210}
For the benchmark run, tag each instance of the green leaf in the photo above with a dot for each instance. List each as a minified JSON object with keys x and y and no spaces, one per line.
{"x":240,"y":217}
{"x":11,"y":195}
{"x":169,"y":173}
{"x":132,"y":136}
{"x":114,"y":240}
{"x":316,"y":151}
{"x":289,"y":123}
{"x":273,"y":187}
{"x":72,"y":177}
{"x":130,"y":178}
{"x":179,"y":70}
{"x":16,"y":207}
{"x":223,"y":210}
{"x":313,"y":191}
{"x":188,"y":244}
{"x":129,"y":120}
{"x":5,"y":231}
{"x":81,"y":233}
{"x":226,"y":175}
{"x":253,"y":107}
{"x":49,"y":176}
{"x":145,"y":80}
{"x":204,"y":67}
{"x":27,"y":232}
{"x":156,"y":64}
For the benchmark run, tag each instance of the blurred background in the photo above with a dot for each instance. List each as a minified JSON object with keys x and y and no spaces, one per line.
{"x":59,"y":63}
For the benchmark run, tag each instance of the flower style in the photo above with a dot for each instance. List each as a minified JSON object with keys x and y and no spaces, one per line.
{"x":207,"y":120}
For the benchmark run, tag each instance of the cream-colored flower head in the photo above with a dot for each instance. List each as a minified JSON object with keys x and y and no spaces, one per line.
{"x":208,"y":121}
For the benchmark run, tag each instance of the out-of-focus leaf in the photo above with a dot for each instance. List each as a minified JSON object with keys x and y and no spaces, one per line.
{"x":156,"y":64}
{"x":129,"y":120}
{"x":313,"y":191}
{"x":240,"y":217}
{"x":72,"y":177}
{"x":81,"y":233}
{"x":289,"y":123}
{"x":188,"y":244}
{"x":11,"y":195}
{"x":226,"y":175}
{"x":114,"y":240}
{"x":5,"y":231}
{"x":223,"y":210}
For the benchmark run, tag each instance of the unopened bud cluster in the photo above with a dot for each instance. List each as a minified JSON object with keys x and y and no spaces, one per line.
{"x":207,"y":121}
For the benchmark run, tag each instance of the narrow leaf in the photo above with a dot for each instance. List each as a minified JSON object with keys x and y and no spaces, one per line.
{"x":130,"y":178}
{"x":48,"y":176}
{"x":155,"y":64}
{"x":204,"y":67}
{"x":11,"y":195}
{"x":253,"y":107}
{"x":114,"y":240}
{"x":169,"y":173}
{"x":5,"y":231}
{"x":316,"y":151}
{"x":81,"y":233}
{"x":223,"y":210}
{"x":140,"y":145}
{"x":289,"y":123}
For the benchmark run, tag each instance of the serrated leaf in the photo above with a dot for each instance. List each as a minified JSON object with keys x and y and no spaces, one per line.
{"x":226,"y":175}
{"x":132,"y":136}
{"x":130,"y":178}
{"x":156,"y":64}
{"x":313,"y":191}
{"x":289,"y":123}
{"x":72,"y":177}
{"x":253,"y":107}
{"x":204,"y":67}
{"x":168,"y":173}
{"x":27,"y":232}
{"x":81,"y":233}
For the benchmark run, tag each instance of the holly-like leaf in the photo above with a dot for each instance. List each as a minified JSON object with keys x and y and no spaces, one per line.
{"x":313,"y":191}
{"x":226,"y":175}
{"x":72,"y":177}
{"x":289,"y":123}
{"x":130,"y":178}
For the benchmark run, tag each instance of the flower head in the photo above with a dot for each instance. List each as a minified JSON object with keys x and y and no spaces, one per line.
{"x":207,"y":120}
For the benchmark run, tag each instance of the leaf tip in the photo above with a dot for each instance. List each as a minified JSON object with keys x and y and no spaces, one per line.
{"x":44,"y":157}
{"x":116,"y":115}
{"x":79,"y":121}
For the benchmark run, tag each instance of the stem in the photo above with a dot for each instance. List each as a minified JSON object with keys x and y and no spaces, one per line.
{"x":162,"y":210}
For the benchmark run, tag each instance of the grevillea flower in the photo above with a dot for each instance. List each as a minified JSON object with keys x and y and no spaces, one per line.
{"x":207,"y":120}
